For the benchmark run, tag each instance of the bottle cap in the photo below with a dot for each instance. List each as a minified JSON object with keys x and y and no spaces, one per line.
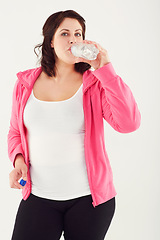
{"x":22,"y":182}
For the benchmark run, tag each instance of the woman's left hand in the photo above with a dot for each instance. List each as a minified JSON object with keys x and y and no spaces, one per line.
{"x":102,"y":57}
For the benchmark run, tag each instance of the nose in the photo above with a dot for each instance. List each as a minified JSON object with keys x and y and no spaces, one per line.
{"x":72,"y":40}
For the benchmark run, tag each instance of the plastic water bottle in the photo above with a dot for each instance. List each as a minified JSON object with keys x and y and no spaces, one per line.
{"x":84,"y":50}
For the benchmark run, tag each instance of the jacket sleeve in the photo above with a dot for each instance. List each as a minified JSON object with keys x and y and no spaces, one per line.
{"x":13,"y":137}
{"x":119,"y":108}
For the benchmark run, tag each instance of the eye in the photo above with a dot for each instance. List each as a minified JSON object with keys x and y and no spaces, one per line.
{"x":67,"y":33}
{"x":79,"y":34}
{"x":63,"y":33}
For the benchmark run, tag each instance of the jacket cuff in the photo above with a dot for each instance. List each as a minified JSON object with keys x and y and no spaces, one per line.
{"x":105,"y":73}
{"x":16,"y":151}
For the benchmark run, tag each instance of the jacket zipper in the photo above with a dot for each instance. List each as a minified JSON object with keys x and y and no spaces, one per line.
{"x":92,"y":193}
{"x":24,"y":138}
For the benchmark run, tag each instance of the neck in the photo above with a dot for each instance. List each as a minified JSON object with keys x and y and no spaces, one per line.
{"x":64,"y":72}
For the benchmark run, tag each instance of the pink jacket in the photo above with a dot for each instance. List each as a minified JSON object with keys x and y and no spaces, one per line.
{"x":105,"y":95}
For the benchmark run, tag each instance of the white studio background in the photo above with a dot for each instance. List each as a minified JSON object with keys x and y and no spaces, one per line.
{"x":130,"y":31}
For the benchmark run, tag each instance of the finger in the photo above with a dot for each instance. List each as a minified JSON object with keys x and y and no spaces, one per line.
{"x":87,"y":41}
{"x":14,"y":186}
{"x":97,"y":45}
{"x":18,"y":185}
{"x":94,"y":43}
{"x":24,"y":175}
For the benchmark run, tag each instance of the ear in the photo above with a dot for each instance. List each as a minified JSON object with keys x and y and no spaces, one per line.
{"x":52,"y":46}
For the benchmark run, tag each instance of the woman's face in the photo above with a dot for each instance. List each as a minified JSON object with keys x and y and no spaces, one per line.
{"x":68,"y":33}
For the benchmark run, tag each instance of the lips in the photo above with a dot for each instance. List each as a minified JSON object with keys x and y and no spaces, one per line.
{"x":69,"y":50}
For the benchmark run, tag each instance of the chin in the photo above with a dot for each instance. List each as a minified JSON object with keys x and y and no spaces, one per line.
{"x":69,"y":61}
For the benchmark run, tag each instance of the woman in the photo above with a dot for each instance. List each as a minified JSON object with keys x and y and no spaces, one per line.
{"x":56,"y":137}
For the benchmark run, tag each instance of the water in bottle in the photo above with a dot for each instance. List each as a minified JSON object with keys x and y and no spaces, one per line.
{"x":84,"y":50}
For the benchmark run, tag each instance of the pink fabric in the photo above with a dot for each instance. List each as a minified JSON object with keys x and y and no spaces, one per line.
{"x":105,"y":95}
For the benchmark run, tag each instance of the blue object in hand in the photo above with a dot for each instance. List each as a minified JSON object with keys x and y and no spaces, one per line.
{"x":22,"y":182}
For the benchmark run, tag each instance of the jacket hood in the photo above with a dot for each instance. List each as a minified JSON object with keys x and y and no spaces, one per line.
{"x":28,"y":77}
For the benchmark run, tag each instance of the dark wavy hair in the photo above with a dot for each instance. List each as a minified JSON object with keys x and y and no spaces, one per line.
{"x":47,"y":60}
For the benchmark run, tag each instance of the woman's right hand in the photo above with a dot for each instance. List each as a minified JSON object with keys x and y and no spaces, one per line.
{"x":19,"y":171}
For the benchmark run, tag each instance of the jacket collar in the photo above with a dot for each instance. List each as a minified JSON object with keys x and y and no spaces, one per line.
{"x":28,"y":77}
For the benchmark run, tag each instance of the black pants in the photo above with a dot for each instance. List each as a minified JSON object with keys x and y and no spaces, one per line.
{"x":43,"y":219}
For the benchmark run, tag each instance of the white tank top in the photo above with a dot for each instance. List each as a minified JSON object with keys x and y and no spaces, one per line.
{"x":56,"y":147}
